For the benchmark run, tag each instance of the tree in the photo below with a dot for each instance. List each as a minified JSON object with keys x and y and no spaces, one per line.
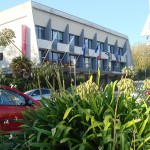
{"x":141,"y":55}
{"x":6,"y":37}
{"x":21,"y":67}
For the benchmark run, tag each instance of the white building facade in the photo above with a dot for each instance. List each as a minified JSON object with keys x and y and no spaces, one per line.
{"x":45,"y":34}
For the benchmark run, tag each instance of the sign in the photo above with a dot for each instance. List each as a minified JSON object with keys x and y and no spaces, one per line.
{"x":24,"y":40}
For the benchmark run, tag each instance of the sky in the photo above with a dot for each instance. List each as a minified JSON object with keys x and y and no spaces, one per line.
{"x":124,"y":16}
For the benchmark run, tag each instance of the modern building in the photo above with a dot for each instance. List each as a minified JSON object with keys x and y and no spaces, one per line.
{"x":46,"y":34}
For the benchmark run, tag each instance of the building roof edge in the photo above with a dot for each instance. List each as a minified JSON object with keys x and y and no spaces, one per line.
{"x":74,"y":18}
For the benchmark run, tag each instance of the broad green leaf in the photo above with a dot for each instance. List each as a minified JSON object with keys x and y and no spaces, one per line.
{"x":130,"y":123}
{"x":146,"y":140}
{"x":74,"y":117}
{"x":67,"y":130}
{"x":64,"y":140}
{"x":38,"y":136}
{"x":122,"y":141}
{"x":53,"y":131}
{"x":82,"y":147}
{"x":43,"y":131}
{"x":143,"y":125}
{"x":67,"y":112}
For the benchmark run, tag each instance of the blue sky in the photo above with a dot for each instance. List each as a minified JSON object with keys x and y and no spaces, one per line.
{"x":124,"y":16}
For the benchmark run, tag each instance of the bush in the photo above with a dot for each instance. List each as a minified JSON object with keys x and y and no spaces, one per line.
{"x":88,"y":118}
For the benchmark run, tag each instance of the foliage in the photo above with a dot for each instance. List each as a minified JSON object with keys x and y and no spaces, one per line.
{"x":2,"y":76}
{"x":6,"y":37}
{"x":46,"y":71}
{"x":141,"y":55}
{"x":21,"y":67}
{"x":146,"y":84}
{"x":126,"y":85}
{"x":86,"y":119}
{"x":87,"y":88}
{"x":128,"y":71}
{"x":80,"y":79}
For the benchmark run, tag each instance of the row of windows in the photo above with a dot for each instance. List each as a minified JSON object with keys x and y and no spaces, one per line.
{"x":114,"y":66}
{"x":88,"y":62}
{"x":74,"y":40}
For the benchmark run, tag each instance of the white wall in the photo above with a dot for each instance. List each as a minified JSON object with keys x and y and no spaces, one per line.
{"x":13,"y":19}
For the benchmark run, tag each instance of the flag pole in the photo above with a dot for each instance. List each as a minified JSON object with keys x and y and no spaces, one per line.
{"x":68,"y":46}
{"x":50,"y":46}
{"x":64,"y":55}
{"x":95,"y":51}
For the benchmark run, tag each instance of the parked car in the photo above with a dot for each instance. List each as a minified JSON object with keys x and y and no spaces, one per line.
{"x":35,"y":93}
{"x":12,"y":103}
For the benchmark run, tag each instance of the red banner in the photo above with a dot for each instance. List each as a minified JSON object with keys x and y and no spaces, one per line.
{"x":24,"y":40}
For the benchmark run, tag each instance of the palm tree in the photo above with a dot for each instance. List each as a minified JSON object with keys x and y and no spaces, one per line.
{"x":21,"y":67}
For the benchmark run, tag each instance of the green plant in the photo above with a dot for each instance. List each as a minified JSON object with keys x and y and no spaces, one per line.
{"x":128,"y":71}
{"x":86,"y":119}
{"x":21,"y":67}
{"x":146,"y":84}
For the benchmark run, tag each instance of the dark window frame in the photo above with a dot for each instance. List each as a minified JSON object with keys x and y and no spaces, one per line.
{"x":59,"y":34}
{"x":102,"y":49}
{"x":40,"y":32}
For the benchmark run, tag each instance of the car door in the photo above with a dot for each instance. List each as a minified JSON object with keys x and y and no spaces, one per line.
{"x":11,"y":105}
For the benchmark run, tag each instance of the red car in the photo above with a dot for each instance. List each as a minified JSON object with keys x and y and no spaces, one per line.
{"x":12,"y":103}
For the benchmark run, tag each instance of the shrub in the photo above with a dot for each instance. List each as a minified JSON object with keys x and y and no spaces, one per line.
{"x":87,"y":118}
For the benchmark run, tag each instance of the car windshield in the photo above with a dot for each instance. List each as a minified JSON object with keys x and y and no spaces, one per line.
{"x":11,"y":98}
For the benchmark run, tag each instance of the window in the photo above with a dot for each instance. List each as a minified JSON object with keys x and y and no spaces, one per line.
{"x":57,"y":35}
{"x":102,"y":47}
{"x":121,"y":51}
{"x":75,"y":39}
{"x":114,"y":66}
{"x":36,"y":93}
{"x":54,"y":34}
{"x":40,"y":32}
{"x":87,"y":63}
{"x":11,"y":98}
{"x":76,"y":42}
{"x":88,"y":43}
{"x":112,"y":50}
{"x":1,"y":56}
{"x":71,"y":60}
{"x":60,"y":37}
{"x":43,"y":53}
{"x":44,"y":91}
{"x":71,"y":39}
{"x":122,"y":65}
{"x":105,"y":65}
{"x":56,"y":57}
